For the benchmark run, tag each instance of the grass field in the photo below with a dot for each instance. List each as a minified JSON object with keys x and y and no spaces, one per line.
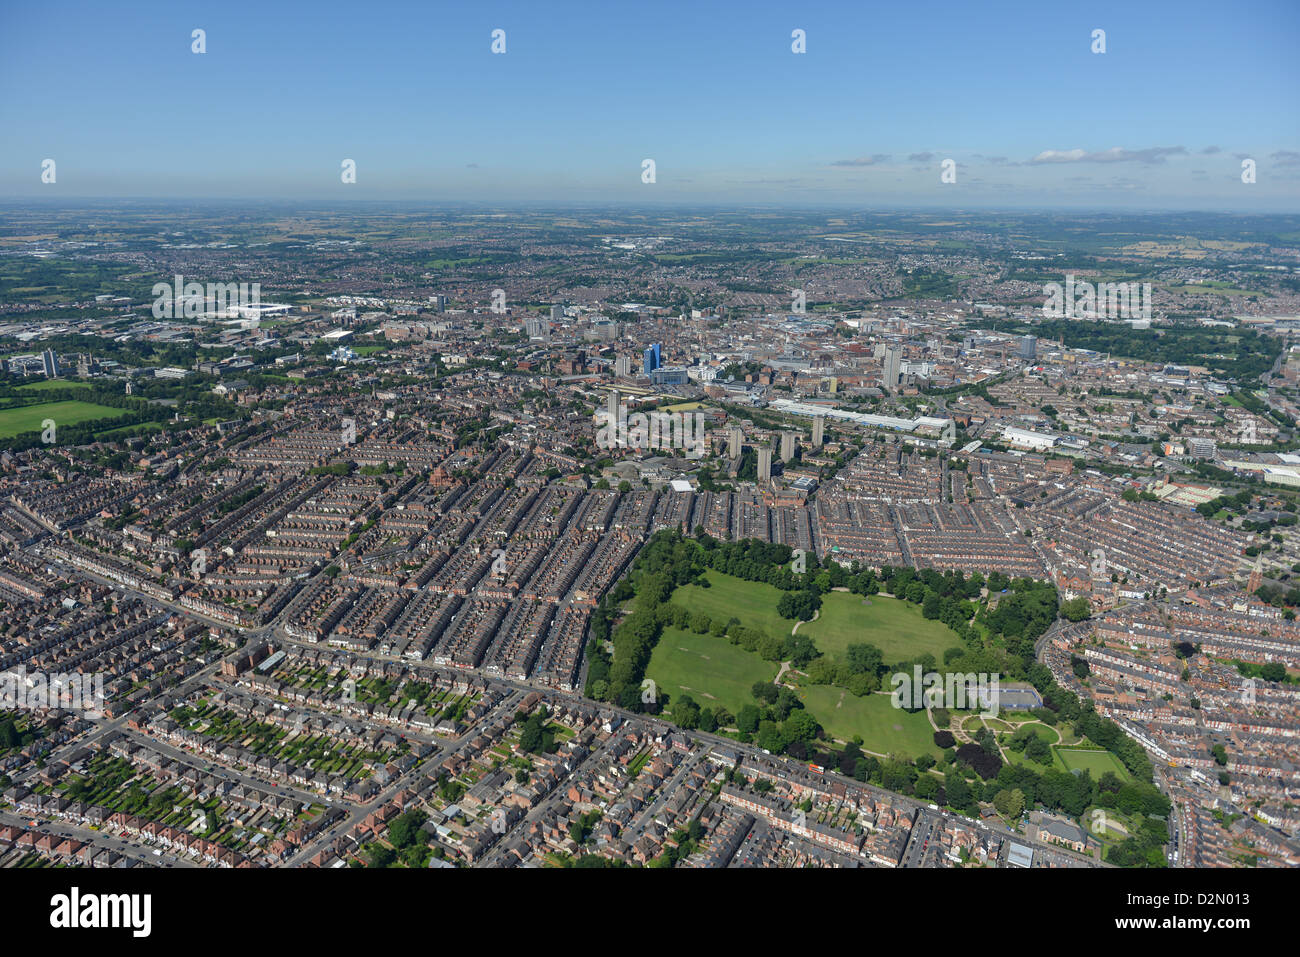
{"x":896,"y":627}
{"x":715,"y":672}
{"x":884,"y":728}
{"x":139,"y":429}
{"x":711,"y":670}
{"x":44,"y":385}
{"x":1046,"y":732}
{"x":1095,"y":763}
{"x":975,"y":722}
{"x":752,"y":602}
{"x":28,"y":418}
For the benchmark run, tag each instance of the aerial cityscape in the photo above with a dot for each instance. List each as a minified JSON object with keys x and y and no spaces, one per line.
{"x":727,"y":526}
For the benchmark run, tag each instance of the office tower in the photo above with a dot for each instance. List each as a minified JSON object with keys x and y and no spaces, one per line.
{"x":1029,"y":348}
{"x":652,"y":358}
{"x":787,"y":446}
{"x":764,"y":464}
{"x":893,"y":367}
{"x":734,"y":438}
{"x":819,"y":432}
{"x":50,"y":363}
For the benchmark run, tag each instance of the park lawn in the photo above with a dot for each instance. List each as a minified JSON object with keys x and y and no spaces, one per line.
{"x":884,"y":729}
{"x":1110,"y":834}
{"x":894,"y":626}
{"x":1049,"y":735}
{"x":1045,"y":731}
{"x":129,"y":430}
{"x":1018,"y":758}
{"x":44,"y":385}
{"x":754,"y":603}
{"x":28,"y":418}
{"x":1096,"y":763}
{"x":711,"y":670}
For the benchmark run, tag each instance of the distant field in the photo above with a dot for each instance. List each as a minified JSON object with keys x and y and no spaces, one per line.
{"x":894,"y":626}
{"x":754,"y":603}
{"x":140,"y":429}
{"x":28,"y":418}
{"x":43,"y":385}
{"x":884,"y":728}
{"x":1095,"y":763}
{"x":711,"y":670}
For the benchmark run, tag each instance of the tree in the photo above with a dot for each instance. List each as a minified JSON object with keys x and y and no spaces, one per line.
{"x":9,"y":737}
{"x":927,"y":787}
{"x":932,"y":606}
{"x":801,"y":726}
{"x":406,"y":829}
{"x":863,"y":658}
{"x":1010,"y":804}
{"x":957,"y":790}
{"x":1076,"y":609}
{"x":747,"y":719}
{"x":377,"y":855}
{"x":1037,"y":750}
{"x":534,"y":737}
{"x":686,"y":712}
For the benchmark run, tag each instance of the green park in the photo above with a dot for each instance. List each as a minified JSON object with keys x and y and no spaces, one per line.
{"x":29,"y":418}
{"x":715,"y":673}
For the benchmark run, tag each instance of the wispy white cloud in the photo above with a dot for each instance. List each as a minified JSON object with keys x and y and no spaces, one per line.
{"x":871,"y":160}
{"x":1116,"y":154}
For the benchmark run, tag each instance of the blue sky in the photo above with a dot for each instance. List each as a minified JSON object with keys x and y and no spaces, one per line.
{"x":709,"y":90}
